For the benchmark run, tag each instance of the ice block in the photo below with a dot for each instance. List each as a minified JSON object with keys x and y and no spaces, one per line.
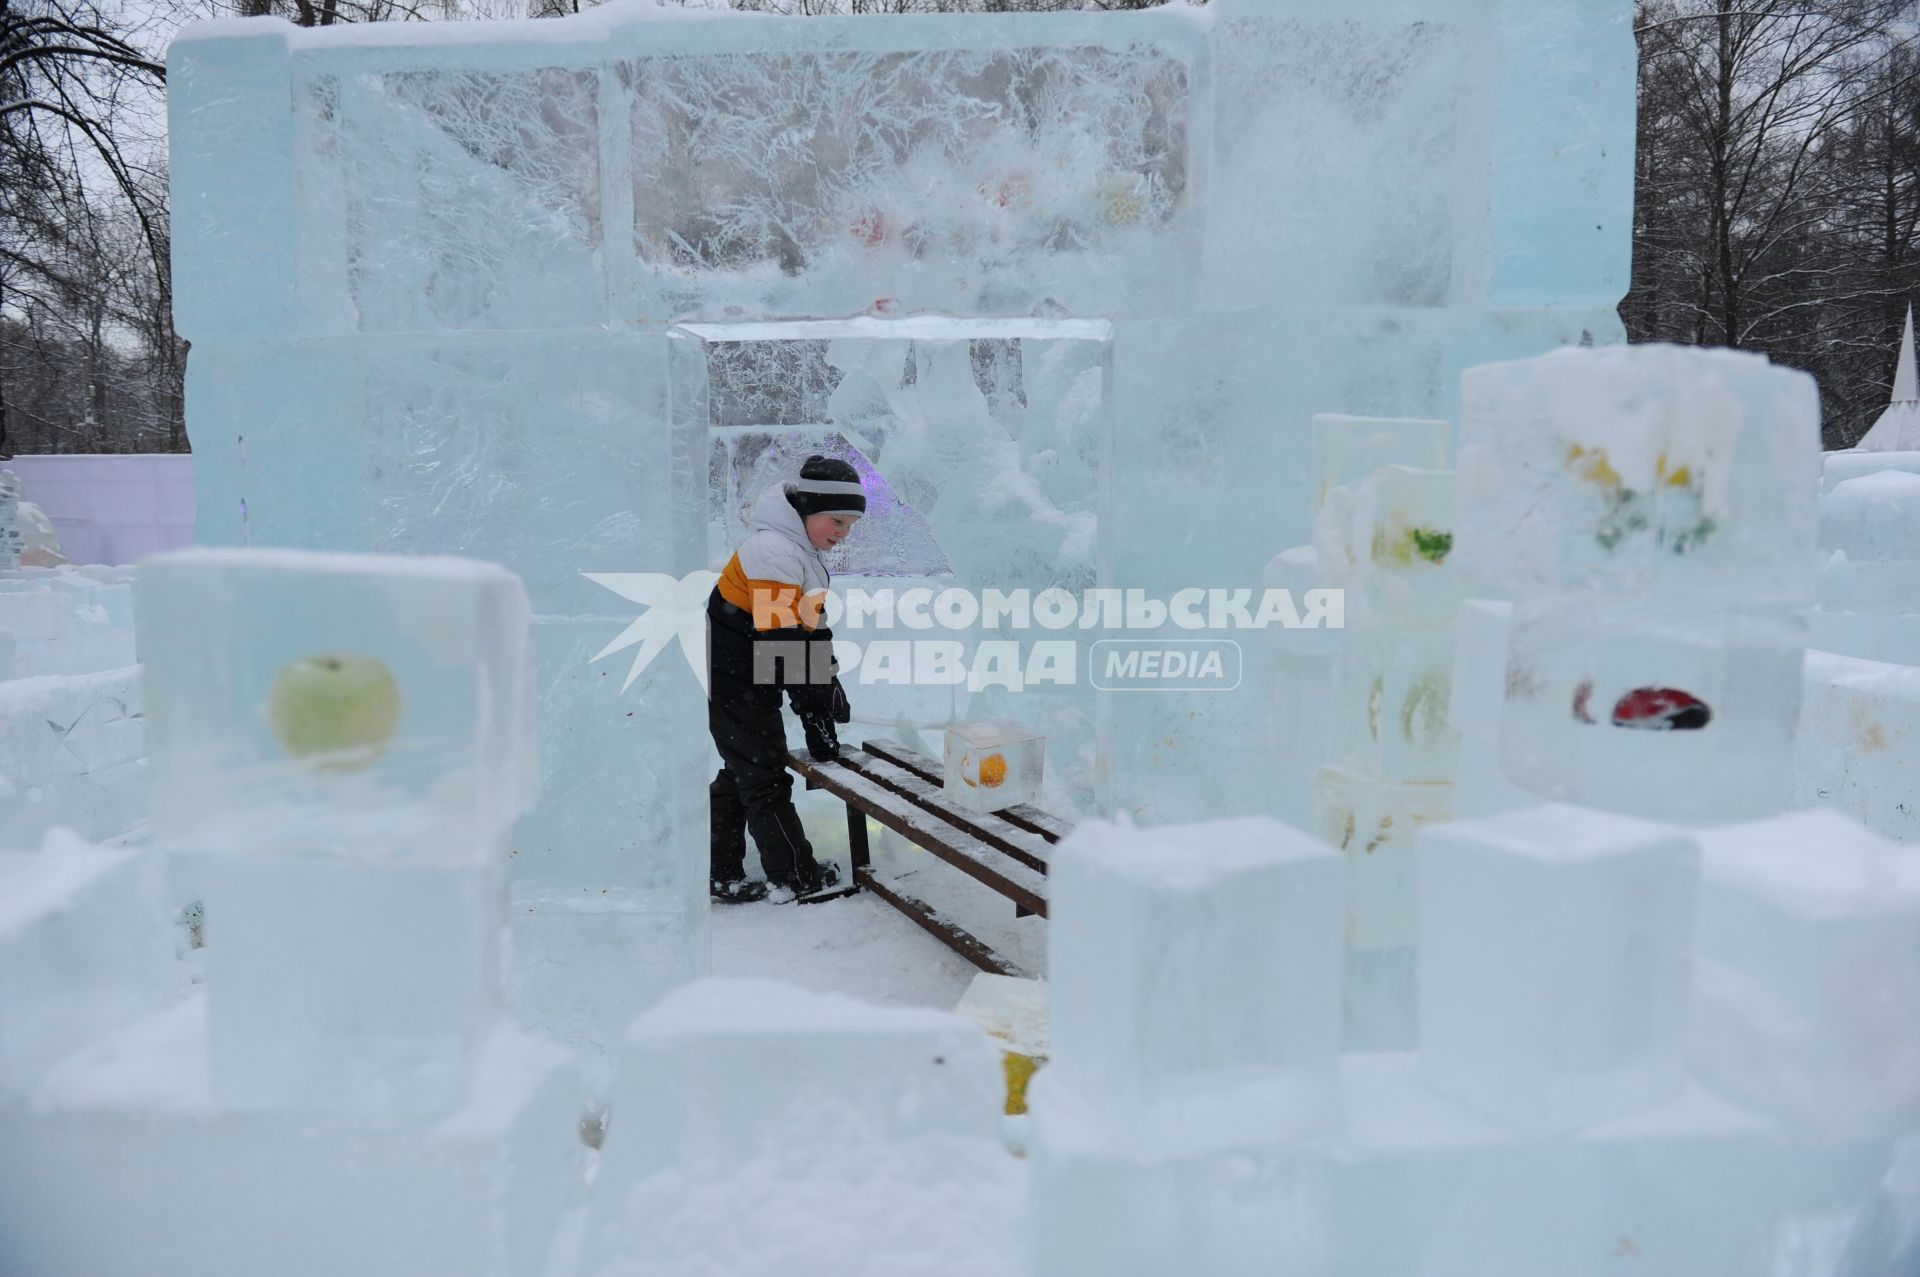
{"x":1654,"y":706}
{"x":367,"y":706}
{"x":1692,"y":471}
{"x":1874,"y":518}
{"x":1554,"y":946}
{"x":1858,"y":749}
{"x":344,"y":985}
{"x":1808,"y":966}
{"x":1192,"y":957}
{"x":994,"y":764}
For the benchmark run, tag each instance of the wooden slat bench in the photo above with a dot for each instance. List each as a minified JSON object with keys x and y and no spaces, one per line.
{"x":1005,"y":851}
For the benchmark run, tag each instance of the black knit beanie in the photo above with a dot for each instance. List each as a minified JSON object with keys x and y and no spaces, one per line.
{"x":827,"y":486}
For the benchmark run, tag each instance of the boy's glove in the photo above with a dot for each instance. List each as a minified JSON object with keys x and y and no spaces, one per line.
{"x":842,"y":712}
{"x":822,"y":741}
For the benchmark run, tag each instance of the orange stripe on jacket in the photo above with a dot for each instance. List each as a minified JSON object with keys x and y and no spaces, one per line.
{"x":775,"y":605}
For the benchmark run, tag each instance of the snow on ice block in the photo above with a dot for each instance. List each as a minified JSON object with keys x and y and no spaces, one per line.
{"x":1653,"y":707}
{"x":1873,"y":519}
{"x":1396,"y":683}
{"x":1838,"y":467}
{"x":1347,"y":449}
{"x":1858,"y":749}
{"x":84,"y":950}
{"x":735,"y":1091}
{"x":1553,"y":963}
{"x":1808,"y":971}
{"x":994,"y":764}
{"x":1639,"y":467}
{"x":1190,"y":957}
{"x":336,"y":983}
{"x":129,"y":1132}
{"x":360,"y":705}
{"x":1226,"y":1191}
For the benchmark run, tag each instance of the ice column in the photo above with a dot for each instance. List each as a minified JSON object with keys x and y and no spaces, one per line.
{"x":1383,"y":532}
{"x":1651,"y":513}
{"x":1195,"y":992}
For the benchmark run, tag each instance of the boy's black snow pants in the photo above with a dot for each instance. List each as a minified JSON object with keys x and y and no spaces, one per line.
{"x":753,"y":789}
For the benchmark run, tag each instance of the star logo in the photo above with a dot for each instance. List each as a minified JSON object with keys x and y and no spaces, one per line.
{"x":675,"y":608}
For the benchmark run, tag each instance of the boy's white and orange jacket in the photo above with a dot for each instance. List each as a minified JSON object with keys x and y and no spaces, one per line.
{"x":776,"y":576}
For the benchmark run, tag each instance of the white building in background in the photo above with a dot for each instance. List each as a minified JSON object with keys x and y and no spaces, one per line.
{"x":1898,"y":429}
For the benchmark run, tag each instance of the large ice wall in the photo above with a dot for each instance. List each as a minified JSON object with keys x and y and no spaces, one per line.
{"x":436,"y":279}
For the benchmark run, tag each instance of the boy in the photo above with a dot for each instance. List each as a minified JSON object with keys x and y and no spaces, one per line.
{"x":770,"y":593}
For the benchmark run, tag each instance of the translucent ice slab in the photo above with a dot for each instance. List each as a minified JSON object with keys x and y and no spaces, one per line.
{"x":364,"y":706}
{"x":1553,"y":963}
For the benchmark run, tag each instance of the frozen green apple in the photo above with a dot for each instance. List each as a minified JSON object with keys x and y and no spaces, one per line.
{"x":334,"y":711}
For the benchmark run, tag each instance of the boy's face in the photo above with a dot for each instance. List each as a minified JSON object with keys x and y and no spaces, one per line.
{"x":828,"y":530}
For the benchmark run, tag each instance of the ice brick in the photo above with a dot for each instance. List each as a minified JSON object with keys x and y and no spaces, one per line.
{"x":1553,"y":963}
{"x":129,"y":1131}
{"x":1859,"y":744}
{"x":1188,"y":956}
{"x":340,"y":984}
{"x":1396,"y":684}
{"x":1371,"y":821}
{"x":1807,"y":970}
{"x":1400,"y":543}
{"x":399,"y":688}
{"x":1347,"y":449}
{"x":1691,"y":471}
{"x":994,"y":764}
{"x":1874,"y":518}
{"x":84,"y":950}
{"x":695,"y":1104}
{"x":1652,"y":707}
